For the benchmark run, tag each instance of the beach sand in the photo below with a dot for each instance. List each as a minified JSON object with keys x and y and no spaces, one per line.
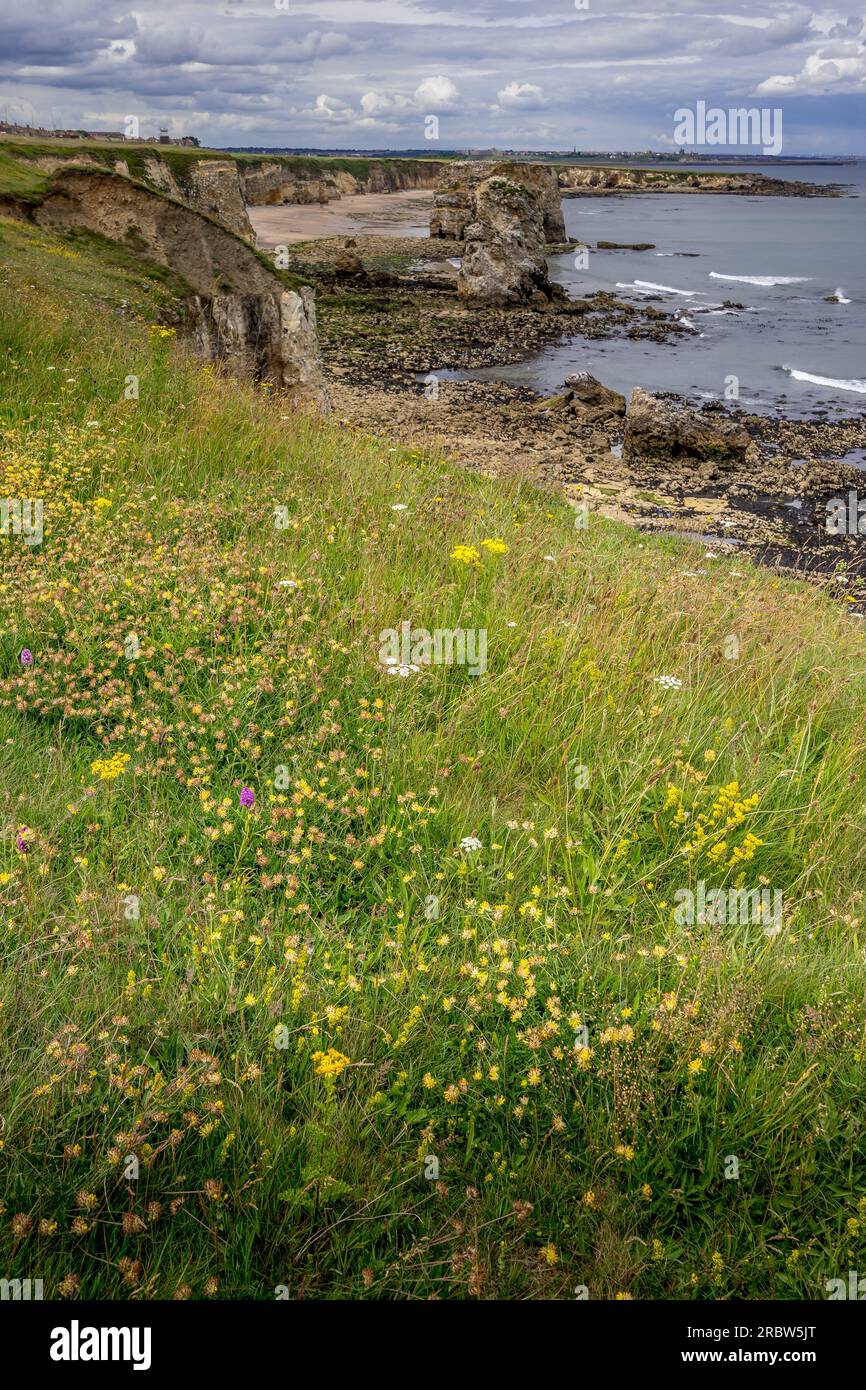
{"x":385,"y":214}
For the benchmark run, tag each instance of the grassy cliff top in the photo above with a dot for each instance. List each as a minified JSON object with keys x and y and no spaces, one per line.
{"x":179,"y":157}
{"x":333,"y":1035}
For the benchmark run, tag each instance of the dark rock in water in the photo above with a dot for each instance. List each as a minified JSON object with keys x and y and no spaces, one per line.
{"x":561,"y":248}
{"x":661,"y":432}
{"x":625,"y":246}
{"x":832,"y":299}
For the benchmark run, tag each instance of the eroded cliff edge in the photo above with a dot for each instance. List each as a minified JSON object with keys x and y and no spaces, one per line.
{"x":239,"y":312}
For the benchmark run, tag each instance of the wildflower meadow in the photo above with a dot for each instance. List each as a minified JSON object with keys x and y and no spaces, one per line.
{"x":318,"y":982}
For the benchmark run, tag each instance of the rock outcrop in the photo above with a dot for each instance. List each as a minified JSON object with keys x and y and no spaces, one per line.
{"x":215,"y":187}
{"x":454,"y":204}
{"x":575,"y":179}
{"x":660,"y":433}
{"x":243,"y":314}
{"x":347,"y":262}
{"x":503,"y":261}
{"x":211,"y":186}
{"x":588,"y":400}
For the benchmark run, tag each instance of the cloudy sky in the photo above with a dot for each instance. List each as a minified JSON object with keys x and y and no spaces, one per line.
{"x":531,"y":74}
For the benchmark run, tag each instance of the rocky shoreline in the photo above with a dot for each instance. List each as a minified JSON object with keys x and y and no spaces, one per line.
{"x":393,"y":330}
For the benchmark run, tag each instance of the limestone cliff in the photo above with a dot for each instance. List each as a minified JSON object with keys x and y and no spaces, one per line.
{"x":242,"y":313}
{"x":212,"y":186}
{"x":288,"y":180}
{"x":224,"y":187}
{"x":453,"y":208}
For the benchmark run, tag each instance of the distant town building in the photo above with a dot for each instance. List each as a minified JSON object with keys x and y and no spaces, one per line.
{"x":114,"y":136}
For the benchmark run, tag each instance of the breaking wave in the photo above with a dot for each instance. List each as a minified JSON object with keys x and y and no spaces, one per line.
{"x":761,"y":279}
{"x":649,"y":288}
{"x":839,"y":383}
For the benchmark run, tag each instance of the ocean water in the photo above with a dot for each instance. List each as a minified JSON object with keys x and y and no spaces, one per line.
{"x":791,"y":352}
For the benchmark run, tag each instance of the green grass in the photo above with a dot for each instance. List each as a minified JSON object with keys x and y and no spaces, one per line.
{"x":157,"y":941}
{"x":19,"y":179}
{"x":20,"y":153}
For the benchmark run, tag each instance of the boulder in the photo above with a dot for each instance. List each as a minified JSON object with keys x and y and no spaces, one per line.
{"x":347,"y":262}
{"x":503,"y":261}
{"x":662,"y":432}
{"x":587,"y":397}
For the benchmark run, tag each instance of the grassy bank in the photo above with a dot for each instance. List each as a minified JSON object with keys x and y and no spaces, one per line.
{"x":333,"y":1041}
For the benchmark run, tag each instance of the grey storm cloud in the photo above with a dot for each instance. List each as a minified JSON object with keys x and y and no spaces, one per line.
{"x":365,"y":73}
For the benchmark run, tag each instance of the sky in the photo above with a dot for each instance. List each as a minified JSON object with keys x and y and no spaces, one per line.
{"x":524,"y":74}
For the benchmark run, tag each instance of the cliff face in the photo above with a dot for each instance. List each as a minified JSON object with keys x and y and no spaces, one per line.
{"x":453,"y":208}
{"x":243,"y":315}
{"x":223,"y":188}
{"x":212,"y":186}
{"x":642,"y":180}
{"x":271,"y":181}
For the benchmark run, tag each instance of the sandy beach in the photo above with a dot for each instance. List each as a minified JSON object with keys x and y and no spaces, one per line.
{"x":406,"y":214}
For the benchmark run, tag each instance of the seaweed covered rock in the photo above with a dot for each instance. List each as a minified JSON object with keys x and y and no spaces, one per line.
{"x":663,"y":432}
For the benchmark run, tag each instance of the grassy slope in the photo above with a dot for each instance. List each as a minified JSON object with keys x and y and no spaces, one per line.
{"x":156,"y":941}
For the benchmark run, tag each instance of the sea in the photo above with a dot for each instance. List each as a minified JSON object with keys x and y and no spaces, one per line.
{"x":790,"y":352}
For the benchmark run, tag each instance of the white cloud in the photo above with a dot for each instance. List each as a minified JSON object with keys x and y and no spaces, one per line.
{"x":437,"y":94}
{"x":523,"y":96}
{"x":382,"y":104}
{"x":383,"y":110}
{"x":332,"y":108}
{"x":837,"y":68}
